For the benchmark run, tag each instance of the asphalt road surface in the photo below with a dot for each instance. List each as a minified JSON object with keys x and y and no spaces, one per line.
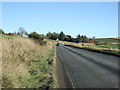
{"x":87,"y":69}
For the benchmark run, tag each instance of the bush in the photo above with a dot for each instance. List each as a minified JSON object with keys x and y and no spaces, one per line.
{"x":38,"y":37}
{"x":42,"y":43}
{"x":52,"y":36}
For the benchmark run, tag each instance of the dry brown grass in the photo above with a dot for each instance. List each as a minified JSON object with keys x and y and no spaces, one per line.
{"x":16,"y":54}
{"x":0,"y":63}
{"x":93,"y":47}
{"x":90,"y":46}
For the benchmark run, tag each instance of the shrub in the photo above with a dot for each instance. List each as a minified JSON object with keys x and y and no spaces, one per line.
{"x":38,"y":37}
{"x":42,"y":42}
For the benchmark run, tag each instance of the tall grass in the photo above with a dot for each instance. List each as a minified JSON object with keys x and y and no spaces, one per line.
{"x":0,"y":62}
{"x":26,"y":64}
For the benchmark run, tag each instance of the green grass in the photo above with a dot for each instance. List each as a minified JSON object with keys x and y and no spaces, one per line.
{"x":108,"y":40}
{"x":6,"y":36}
{"x":10,"y":36}
{"x":40,"y":72}
{"x":116,"y":46}
{"x":26,"y":64}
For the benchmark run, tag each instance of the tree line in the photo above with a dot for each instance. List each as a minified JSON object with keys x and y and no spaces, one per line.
{"x":40,"y":37}
{"x":61,"y":36}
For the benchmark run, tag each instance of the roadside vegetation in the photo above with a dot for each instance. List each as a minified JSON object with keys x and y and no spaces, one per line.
{"x":107,"y":47}
{"x":37,"y":37}
{"x":107,"y":40}
{"x":62,"y":37}
{"x":27,"y":59}
{"x":27,"y":62}
{"x":112,"y":46}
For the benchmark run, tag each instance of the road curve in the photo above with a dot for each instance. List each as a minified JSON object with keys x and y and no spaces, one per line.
{"x":87,"y":69}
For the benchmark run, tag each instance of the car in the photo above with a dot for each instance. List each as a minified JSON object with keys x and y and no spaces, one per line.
{"x":57,"y":44}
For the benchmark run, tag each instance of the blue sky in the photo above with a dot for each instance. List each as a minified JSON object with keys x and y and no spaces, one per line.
{"x":98,"y":19}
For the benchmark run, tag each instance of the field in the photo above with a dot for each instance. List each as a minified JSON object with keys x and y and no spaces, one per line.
{"x":110,"y":45}
{"x":114,"y":46}
{"x":108,"y":40}
{"x":26,"y":64}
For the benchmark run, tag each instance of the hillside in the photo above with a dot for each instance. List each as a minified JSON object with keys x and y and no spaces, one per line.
{"x":26,"y":64}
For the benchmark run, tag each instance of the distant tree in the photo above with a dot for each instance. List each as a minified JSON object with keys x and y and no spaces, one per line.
{"x":64,"y":37}
{"x":53,"y":35}
{"x":18,"y":33}
{"x":73,"y":39}
{"x":36,"y":36}
{"x":61,"y":36}
{"x":49,"y":35}
{"x":22,"y":32}
{"x":78,"y":38}
{"x":26,"y":34}
{"x":93,"y":37}
{"x":81,"y":38}
{"x":1,"y":31}
{"x":84,"y":39}
{"x":67,"y":38}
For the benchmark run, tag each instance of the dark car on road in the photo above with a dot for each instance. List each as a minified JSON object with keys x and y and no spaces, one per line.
{"x":57,"y":44}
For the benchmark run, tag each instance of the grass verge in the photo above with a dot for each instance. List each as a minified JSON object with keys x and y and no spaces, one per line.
{"x":26,"y":64}
{"x":101,"y":50}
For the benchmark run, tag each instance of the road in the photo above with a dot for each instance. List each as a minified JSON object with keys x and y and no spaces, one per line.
{"x":87,"y":69}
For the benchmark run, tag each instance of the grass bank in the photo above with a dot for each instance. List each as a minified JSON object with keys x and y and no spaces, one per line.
{"x":26,"y":64}
{"x":108,"y":49}
{"x":106,"y":45}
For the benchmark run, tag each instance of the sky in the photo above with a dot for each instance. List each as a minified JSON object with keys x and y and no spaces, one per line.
{"x":99,"y":19}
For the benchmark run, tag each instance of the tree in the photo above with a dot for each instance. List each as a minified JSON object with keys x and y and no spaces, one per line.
{"x":93,"y":37}
{"x":67,"y":38}
{"x":78,"y":39}
{"x":18,"y":33}
{"x":53,"y":35}
{"x":1,"y":31}
{"x":49,"y":35}
{"x":82,"y":38}
{"x":61,"y":36}
{"x":22,"y":32}
{"x":36,"y":36}
{"x":64,"y":37}
{"x":78,"y":36}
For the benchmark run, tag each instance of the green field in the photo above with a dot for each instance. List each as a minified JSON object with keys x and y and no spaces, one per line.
{"x":108,"y":40}
{"x":116,"y":46}
{"x":10,"y":36}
